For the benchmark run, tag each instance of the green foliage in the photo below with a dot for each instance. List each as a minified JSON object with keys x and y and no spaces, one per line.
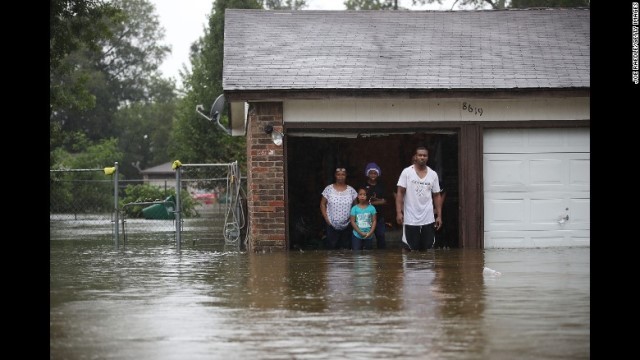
{"x":89,"y":155}
{"x":105,"y":83}
{"x":75,"y":25}
{"x":468,"y":4}
{"x":80,"y":192}
{"x":549,"y":3}
{"x":284,"y":4}
{"x":60,"y":194}
{"x":69,"y":90}
{"x":504,"y":4}
{"x":89,"y":191}
{"x":144,"y":130}
{"x":132,"y":57}
{"x":195,"y":139}
{"x":92,"y":79}
{"x":149,"y":193}
{"x":369,"y":4}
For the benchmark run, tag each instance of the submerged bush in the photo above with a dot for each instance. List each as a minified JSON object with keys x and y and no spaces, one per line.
{"x":147,"y":193}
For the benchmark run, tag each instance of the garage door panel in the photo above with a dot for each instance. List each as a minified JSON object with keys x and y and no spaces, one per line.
{"x":502,"y":212}
{"x":580,"y":213}
{"x":503,"y":141}
{"x":578,"y":139}
{"x":536,"y":172}
{"x":546,"y":172}
{"x":501,"y":239}
{"x":544,"y":139}
{"x":580,"y":173}
{"x":505,"y":173}
{"x":536,"y":211}
{"x":533,"y":239}
{"x":520,"y":141}
{"x":546,"y":212}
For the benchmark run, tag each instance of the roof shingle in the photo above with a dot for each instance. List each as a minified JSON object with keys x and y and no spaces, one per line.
{"x":486,"y":49}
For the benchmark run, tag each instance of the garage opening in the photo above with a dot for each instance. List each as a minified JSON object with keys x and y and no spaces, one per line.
{"x":313,"y":156}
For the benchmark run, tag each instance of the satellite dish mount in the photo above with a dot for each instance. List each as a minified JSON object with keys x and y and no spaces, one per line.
{"x":216,"y":111}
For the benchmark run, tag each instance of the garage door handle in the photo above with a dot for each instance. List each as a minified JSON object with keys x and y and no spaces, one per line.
{"x":563,"y":219}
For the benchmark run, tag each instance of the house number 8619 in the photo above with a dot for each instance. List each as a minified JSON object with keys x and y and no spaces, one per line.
{"x":471,"y":109}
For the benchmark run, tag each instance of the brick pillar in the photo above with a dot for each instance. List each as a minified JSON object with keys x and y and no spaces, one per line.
{"x":265,"y":180}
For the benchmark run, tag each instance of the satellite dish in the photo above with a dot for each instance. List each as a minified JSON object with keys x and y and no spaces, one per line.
{"x":217,"y":108}
{"x":216,"y":111}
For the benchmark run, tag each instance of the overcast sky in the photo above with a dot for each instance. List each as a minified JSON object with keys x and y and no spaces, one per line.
{"x":184,"y":22}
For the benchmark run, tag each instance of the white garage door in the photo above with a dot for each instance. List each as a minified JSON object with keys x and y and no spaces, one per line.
{"x":536,"y":188}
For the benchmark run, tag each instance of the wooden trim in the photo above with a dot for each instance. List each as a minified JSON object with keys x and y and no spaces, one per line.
{"x":535,"y":124}
{"x":421,"y":126}
{"x":349,"y":126}
{"x":285,"y":168}
{"x":471,"y":223}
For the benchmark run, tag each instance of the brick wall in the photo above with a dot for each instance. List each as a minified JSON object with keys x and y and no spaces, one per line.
{"x":265,"y":180}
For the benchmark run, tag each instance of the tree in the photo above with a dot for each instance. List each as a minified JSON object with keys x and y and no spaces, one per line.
{"x":370,"y":4}
{"x":194,"y":138}
{"x":76,"y":23}
{"x":549,"y":3}
{"x":68,"y":189}
{"x":133,"y":56}
{"x":504,"y":4}
{"x":143,"y":135}
{"x":284,"y":5}
{"x":120,"y":79}
{"x":73,"y":25}
{"x":109,"y":72}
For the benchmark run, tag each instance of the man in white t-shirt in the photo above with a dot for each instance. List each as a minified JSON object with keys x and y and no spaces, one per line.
{"x":418,"y":192}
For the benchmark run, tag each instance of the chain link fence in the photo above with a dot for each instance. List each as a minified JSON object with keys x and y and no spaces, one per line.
{"x":81,"y":204}
{"x":94,"y":204}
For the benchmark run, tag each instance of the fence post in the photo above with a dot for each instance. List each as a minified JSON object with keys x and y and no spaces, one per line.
{"x":116,"y":227}
{"x":178,"y":206}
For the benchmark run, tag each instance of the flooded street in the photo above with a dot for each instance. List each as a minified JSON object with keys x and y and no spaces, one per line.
{"x":150,"y":301}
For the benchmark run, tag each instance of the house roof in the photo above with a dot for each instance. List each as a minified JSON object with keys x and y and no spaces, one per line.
{"x":424,"y":50}
{"x":159,"y":169}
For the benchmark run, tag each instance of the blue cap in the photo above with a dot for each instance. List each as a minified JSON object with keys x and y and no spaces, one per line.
{"x":372,"y":166}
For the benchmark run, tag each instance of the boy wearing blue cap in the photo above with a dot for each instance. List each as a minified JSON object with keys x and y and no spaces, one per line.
{"x":375,"y":192}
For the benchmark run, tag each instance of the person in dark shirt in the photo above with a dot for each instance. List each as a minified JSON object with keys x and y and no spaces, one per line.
{"x":375,"y":191}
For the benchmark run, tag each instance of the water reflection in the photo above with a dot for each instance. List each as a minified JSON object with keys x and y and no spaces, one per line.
{"x":152,"y":302}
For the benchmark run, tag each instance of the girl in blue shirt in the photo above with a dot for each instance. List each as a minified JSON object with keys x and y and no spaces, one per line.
{"x":363,"y":220}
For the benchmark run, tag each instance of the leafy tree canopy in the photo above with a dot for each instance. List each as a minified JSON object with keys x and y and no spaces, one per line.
{"x":93,"y":79}
{"x":284,"y":5}
{"x":75,"y":25}
{"x":370,"y":4}
{"x":505,"y":4}
{"x":465,"y":4}
{"x":194,"y":138}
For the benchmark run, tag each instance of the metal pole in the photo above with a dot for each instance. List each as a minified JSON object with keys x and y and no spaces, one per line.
{"x":177,"y":209}
{"x":116,"y":227}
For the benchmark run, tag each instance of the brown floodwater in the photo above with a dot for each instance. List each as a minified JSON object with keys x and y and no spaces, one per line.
{"x":151,"y":301}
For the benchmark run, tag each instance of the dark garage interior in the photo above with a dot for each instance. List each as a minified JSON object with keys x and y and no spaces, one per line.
{"x":313,"y":157}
